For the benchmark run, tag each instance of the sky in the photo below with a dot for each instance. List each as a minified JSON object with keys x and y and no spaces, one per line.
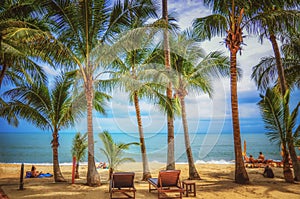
{"x":204,"y":115}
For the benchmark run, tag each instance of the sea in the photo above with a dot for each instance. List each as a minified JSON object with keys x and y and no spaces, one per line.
{"x":35,"y":148}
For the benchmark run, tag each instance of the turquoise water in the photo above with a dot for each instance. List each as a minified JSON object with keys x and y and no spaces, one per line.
{"x":213,"y":148}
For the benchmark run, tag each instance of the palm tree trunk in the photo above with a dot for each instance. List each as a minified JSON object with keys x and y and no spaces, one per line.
{"x":110,"y":172}
{"x":193,"y":173}
{"x":284,"y":87}
{"x":146,"y":170}
{"x":58,"y":177}
{"x":281,"y":76}
{"x":241,"y":175}
{"x":295,"y":161}
{"x":77,"y":170}
{"x":93,"y":178}
{"x":287,"y":172}
{"x":170,"y":118}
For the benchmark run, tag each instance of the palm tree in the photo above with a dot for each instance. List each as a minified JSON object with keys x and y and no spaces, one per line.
{"x":113,"y":151}
{"x":17,"y":31}
{"x":279,"y":122}
{"x":274,"y":20}
{"x":228,"y":20}
{"x":170,"y":116}
{"x":194,"y":72}
{"x":126,"y":69}
{"x":47,"y":109}
{"x":127,"y":75}
{"x":79,"y":149}
{"x":82,"y":27}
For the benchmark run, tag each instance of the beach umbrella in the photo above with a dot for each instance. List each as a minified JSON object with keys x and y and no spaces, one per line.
{"x":281,"y":152}
{"x":245,"y":148}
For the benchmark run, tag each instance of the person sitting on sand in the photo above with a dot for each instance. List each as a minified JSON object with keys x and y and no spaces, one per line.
{"x":252,"y":160}
{"x":34,"y":172}
{"x":246,"y":159}
{"x":102,"y":165}
{"x":268,"y":172}
{"x":261,"y":158}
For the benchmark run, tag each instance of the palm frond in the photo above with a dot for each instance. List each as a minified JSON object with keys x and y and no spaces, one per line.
{"x":273,"y":114}
{"x":265,"y":73}
{"x":210,"y":26}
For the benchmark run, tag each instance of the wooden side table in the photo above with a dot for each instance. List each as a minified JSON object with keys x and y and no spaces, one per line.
{"x":189,"y":186}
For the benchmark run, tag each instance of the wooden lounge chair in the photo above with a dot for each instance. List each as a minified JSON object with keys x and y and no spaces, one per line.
{"x":168,"y":181}
{"x":122,"y":183}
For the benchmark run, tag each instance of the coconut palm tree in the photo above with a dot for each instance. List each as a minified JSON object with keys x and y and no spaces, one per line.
{"x":227,"y":20}
{"x":79,"y":149}
{"x":18,"y":30}
{"x":194,"y":72}
{"x":83,"y":26}
{"x":113,"y":151}
{"x":126,"y":69}
{"x":46,"y":108}
{"x":277,"y":19}
{"x":273,"y":19}
{"x":170,"y":117}
{"x":279,"y":121}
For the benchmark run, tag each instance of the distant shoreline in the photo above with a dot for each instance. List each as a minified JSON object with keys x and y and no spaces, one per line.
{"x":150,"y":162}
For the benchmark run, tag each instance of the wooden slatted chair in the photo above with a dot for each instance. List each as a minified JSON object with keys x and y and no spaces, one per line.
{"x":168,"y":181}
{"x":123,"y":183}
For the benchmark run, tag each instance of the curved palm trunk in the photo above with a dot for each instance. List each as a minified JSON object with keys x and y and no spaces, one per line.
{"x":283,"y":87}
{"x":295,"y":161}
{"x":93,"y":178}
{"x":287,"y":172}
{"x":193,"y":173}
{"x":58,"y":177}
{"x":241,"y":175}
{"x":146,"y":170}
{"x":281,"y":76}
{"x":170,"y":119}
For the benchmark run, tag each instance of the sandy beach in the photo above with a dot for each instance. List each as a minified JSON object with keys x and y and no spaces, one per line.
{"x":217,"y":182}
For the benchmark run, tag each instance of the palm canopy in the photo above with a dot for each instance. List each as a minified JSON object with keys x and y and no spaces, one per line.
{"x":276,"y":116}
{"x":79,"y":146}
{"x":19,"y":30}
{"x":224,"y":13}
{"x":84,"y":25}
{"x":272,"y":17}
{"x":265,"y":73}
{"x":46,"y":108}
{"x":195,"y":70}
{"x":113,"y":151}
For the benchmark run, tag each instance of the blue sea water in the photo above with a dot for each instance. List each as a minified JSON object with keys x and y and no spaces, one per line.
{"x":207,"y":148}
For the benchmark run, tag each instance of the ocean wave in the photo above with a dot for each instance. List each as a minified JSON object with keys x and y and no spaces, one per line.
{"x":201,"y":162}
{"x":214,"y":162}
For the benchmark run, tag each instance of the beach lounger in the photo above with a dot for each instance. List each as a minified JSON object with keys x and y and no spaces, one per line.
{"x":168,"y":181}
{"x":123,"y":184}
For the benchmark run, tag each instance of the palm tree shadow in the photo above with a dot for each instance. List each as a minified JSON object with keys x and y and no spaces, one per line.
{"x":221,"y":181}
